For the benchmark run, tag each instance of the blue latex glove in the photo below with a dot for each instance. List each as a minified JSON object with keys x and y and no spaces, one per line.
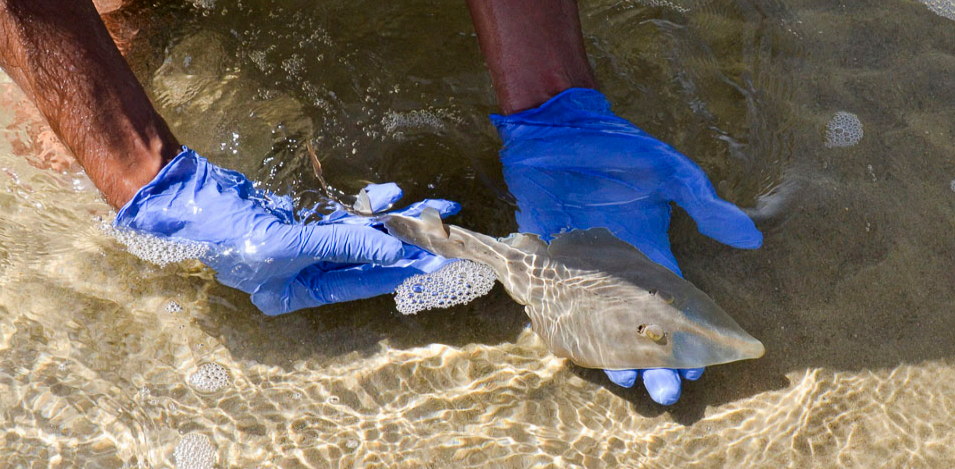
{"x":256,"y":245}
{"x":571,"y":163}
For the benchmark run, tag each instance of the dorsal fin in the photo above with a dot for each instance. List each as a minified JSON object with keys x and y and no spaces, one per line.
{"x":432,"y":219}
{"x":363,"y":204}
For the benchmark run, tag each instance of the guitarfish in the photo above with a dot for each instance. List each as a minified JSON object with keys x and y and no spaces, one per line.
{"x":594,"y":298}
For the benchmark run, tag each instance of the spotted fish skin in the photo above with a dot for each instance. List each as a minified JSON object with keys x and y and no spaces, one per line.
{"x":594,"y":298}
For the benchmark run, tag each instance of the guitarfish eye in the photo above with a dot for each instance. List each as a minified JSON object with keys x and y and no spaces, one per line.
{"x":652,"y":332}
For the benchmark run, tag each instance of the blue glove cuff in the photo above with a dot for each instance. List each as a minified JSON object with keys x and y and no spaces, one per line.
{"x":183,"y":164}
{"x":574,"y":107}
{"x":184,"y":178}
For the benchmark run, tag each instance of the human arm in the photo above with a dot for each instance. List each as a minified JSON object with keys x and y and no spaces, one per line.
{"x":571,"y":163}
{"x":62,"y":57}
{"x":533,"y":48}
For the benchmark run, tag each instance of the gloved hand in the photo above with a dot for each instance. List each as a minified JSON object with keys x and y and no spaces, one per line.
{"x":256,"y":245}
{"x":571,"y":163}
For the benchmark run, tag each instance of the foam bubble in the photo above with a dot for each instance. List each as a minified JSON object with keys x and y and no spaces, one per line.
{"x":173,"y":307}
{"x":204,"y":4}
{"x":666,"y":4}
{"x":943,"y":8}
{"x":398,"y":124}
{"x":194,"y":451}
{"x":154,"y":249}
{"x":210,"y":377}
{"x":843,"y":130}
{"x":456,"y":283}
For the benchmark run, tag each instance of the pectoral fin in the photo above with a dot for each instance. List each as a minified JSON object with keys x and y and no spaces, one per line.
{"x":529,"y":243}
{"x":598,"y":249}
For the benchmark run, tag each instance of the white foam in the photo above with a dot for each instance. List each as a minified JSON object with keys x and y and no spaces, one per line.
{"x":210,"y":377}
{"x":194,"y":451}
{"x":154,"y":249}
{"x":431,"y":120}
{"x":456,"y":283}
{"x":843,"y":130}
{"x":666,"y":4}
{"x":943,"y":8}
{"x":204,"y":4}
{"x":679,"y":6}
{"x":173,"y":307}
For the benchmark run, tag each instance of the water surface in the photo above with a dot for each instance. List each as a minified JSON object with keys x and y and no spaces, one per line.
{"x":851,"y":293}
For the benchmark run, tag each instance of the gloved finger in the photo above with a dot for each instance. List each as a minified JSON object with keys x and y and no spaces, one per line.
{"x":380,"y":197}
{"x":383,"y":196}
{"x":444,"y":207}
{"x":422,"y":260}
{"x":369,"y":280}
{"x":714,"y":216}
{"x":691,"y":374}
{"x":624,"y":378}
{"x":344,"y":243}
{"x":315,"y":286}
{"x":662,"y":384}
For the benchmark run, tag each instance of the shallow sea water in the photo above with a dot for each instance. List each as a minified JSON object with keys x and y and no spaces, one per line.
{"x":852,"y":293}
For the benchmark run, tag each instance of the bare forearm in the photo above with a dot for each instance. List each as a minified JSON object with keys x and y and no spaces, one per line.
{"x":533,"y":48}
{"x":61,"y":55}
